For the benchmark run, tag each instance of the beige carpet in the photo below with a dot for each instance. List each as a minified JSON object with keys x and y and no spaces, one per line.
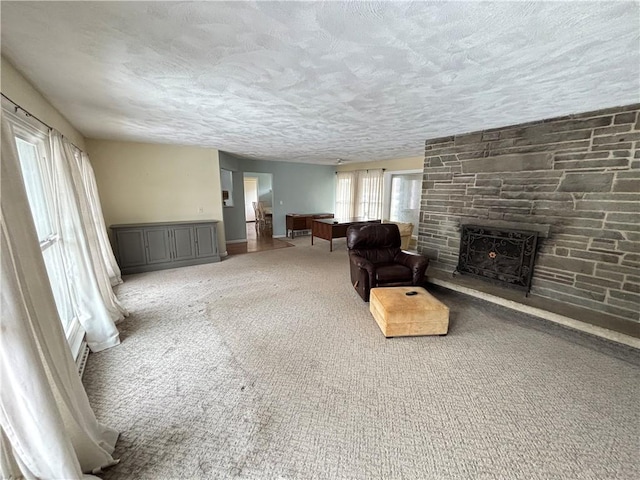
{"x":269,"y":366}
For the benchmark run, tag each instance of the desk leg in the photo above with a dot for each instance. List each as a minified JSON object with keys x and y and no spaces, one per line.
{"x":331,"y":244}
{"x":311,"y":237}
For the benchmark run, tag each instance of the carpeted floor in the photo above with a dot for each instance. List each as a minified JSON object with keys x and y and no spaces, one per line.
{"x":269,"y":366}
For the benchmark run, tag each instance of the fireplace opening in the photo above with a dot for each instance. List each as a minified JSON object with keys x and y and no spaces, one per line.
{"x":499,"y":255}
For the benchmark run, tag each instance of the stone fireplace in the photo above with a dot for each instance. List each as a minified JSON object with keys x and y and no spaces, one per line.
{"x":502,"y":256}
{"x":577,"y":178}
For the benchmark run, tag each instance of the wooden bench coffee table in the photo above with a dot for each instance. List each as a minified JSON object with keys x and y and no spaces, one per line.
{"x":399,"y":314}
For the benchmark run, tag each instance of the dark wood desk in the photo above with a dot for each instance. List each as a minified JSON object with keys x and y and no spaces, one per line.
{"x":328,"y":229}
{"x":302,"y":221}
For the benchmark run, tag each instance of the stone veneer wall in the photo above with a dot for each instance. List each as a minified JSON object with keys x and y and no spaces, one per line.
{"x":580,"y":174}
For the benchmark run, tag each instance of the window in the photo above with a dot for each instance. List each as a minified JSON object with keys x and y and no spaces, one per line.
{"x":34,"y":157}
{"x":359,"y":194}
{"x":369,"y":198}
{"x":404,"y":190}
{"x":344,"y":194}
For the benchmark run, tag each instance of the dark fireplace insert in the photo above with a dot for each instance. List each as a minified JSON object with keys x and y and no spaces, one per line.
{"x":499,"y":255}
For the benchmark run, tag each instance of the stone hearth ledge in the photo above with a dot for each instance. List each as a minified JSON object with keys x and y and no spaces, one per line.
{"x":510,"y":298}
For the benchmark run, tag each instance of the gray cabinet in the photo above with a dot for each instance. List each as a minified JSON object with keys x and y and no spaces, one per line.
{"x":156,"y":242}
{"x":131,"y":252}
{"x":206,"y":241}
{"x":144,"y":247}
{"x":184,"y":245}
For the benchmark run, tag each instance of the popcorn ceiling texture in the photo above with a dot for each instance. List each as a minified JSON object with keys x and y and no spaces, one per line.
{"x":313,"y":81}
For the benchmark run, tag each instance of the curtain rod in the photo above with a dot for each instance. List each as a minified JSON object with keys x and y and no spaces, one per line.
{"x":367,"y":170}
{"x":29,"y":114}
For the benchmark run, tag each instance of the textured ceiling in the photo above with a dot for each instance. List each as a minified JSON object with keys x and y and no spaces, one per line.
{"x":317,"y":81}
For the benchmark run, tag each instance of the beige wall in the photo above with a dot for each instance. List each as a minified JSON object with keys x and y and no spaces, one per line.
{"x":412,"y":163}
{"x":142,"y":182}
{"x":18,"y":89}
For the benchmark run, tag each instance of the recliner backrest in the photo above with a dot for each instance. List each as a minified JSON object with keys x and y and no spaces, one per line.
{"x":377,"y":242}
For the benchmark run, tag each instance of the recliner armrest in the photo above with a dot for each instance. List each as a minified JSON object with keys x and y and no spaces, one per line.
{"x":417,"y":263}
{"x":363,"y":273}
{"x":363,"y":263}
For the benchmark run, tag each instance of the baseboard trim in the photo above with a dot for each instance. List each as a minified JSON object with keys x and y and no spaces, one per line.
{"x":537,"y":312}
{"x":152,"y":267}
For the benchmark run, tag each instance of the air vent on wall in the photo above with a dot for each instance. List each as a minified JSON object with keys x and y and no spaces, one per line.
{"x":81,"y":361}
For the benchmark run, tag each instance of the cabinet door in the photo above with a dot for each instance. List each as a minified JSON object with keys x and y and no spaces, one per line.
{"x":183,"y":243}
{"x":206,"y":241}
{"x":131,"y":251}
{"x":157,"y":243}
{"x":308,"y":222}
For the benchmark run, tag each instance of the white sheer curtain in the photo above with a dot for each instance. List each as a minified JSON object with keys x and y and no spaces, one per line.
{"x":345,"y":194}
{"x":359,"y":194}
{"x":96,"y":305}
{"x":97,"y":219}
{"x":48,"y":427}
{"x":369,"y":193}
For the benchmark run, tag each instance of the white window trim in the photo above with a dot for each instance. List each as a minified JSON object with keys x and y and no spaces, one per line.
{"x":31,"y":131}
{"x":386,"y":189}
{"x":31,"y":125}
{"x":50,"y":240}
{"x":75,"y":337}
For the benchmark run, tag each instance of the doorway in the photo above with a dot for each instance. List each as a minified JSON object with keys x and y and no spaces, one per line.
{"x":250,"y":196}
{"x":257,"y":188}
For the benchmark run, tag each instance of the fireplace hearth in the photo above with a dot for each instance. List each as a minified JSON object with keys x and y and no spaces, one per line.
{"x":501,"y":256}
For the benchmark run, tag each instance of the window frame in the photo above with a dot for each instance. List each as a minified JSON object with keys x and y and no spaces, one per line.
{"x":28,"y":131}
{"x":386,"y":194}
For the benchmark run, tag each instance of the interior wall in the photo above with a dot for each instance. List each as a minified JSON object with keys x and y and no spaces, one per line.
{"x":235,"y":220}
{"x":297,"y":187}
{"x":141,"y":182}
{"x":15,"y":86}
{"x":579,"y":174}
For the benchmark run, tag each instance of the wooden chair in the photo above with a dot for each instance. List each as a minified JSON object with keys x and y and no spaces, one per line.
{"x":267,"y":218}
{"x":264,"y":222}
{"x":256,"y":213}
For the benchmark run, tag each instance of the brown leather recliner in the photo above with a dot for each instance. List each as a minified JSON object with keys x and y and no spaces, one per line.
{"x":376,"y":259}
